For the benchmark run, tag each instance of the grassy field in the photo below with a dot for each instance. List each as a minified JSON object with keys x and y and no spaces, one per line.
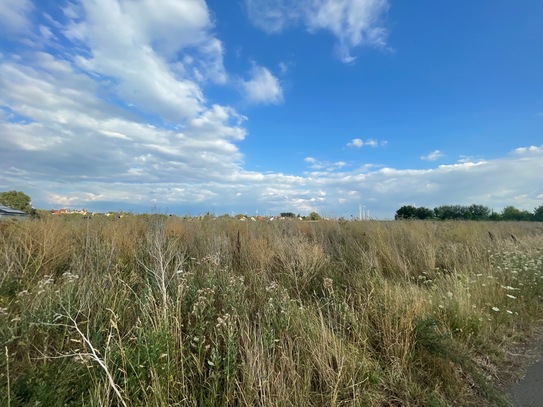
{"x":163,"y":311}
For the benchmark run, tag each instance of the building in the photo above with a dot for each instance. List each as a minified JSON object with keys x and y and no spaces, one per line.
{"x":6,"y":212}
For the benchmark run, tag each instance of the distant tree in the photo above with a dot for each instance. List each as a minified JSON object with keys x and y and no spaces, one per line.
{"x":451,"y":212}
{"x":494,"y":216}
{"x":314,"y":216}
{"x":406,"y":212}
{"x":478,"y":212}
{"x":512,"y":213}
{"x":424,"y":213}
{"x":412,"y":212}
{"x":287,"y":215}
{"x":538,"y":214}
{"x":17,"y":200}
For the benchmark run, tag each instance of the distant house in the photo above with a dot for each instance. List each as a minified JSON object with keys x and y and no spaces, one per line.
{"x":6,"y":212}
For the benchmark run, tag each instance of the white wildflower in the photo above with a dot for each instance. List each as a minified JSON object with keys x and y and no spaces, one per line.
{"x":495,"y":309}
{"x":508,"y":287}
{"x":511,"y":296}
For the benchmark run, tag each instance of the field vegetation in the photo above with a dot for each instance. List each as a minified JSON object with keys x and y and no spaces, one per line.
{"x":164,"y":311}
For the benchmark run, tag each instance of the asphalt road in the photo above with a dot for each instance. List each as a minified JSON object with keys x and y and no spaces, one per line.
{"x":529,"y":390}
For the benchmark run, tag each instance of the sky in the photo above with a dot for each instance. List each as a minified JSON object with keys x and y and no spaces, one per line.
{"x":267,"y":106}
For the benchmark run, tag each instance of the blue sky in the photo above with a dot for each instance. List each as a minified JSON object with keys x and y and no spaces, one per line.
{"x":187,"y":106}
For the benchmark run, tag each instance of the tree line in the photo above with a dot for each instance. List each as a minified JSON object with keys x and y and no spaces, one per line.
{"x":471,"y":212}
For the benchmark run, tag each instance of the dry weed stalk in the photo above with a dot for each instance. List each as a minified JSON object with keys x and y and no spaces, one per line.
{"x":94,"y":354}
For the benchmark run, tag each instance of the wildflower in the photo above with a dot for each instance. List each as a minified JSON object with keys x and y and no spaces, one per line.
{"x":509,"y":312}
{"x":449,"y":294}
{"x":441,"y":306}
{"x":508,"y":287}
{"x":70,"y":277}
{"x":272,"y":287}
{"x":495,"y":309}
{"x":511,"y":296}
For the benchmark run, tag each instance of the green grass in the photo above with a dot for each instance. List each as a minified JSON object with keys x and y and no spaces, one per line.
{"x":152,"y":310}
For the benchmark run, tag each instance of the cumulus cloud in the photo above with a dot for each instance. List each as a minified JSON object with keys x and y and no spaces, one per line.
{"x":134,"y":43}
{"x":114,"y":103}
{"x":531,"y":149}
{"x":354,"y":23}
{"x":262,"y":87}
{"x":355,"y":142}
{"x":433,"y":156}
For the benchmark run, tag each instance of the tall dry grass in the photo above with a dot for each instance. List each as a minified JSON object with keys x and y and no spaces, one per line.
{"x":155,"y":310}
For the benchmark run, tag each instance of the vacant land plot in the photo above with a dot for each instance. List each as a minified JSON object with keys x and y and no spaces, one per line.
{"x":153,"y":310}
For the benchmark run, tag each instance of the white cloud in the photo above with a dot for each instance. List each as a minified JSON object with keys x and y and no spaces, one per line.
{"x":531,"y":149}
{"x":433,"y":156}
{"x":358,"y":143}
{"x":353,"y":22}
{"x":84,"y":117}
{"x":324,"y":165}
{"x":14,"y":16}
{"x":137,"y":44}
{"x":113,"y":121}
{"x":262,"y":87}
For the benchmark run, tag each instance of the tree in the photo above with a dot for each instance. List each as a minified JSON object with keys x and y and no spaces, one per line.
{"x":538,"y":214}
{"x":424,"y":213}
{"x":17,"y":200}
{"x":446,"y":212}
{"x":412,"y":212}
{"x":512,"y":213}
{"x":478,"y":212}
{"x":406,"y":212}
{"x":314,"y":216}
{"x":287,"y":215}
